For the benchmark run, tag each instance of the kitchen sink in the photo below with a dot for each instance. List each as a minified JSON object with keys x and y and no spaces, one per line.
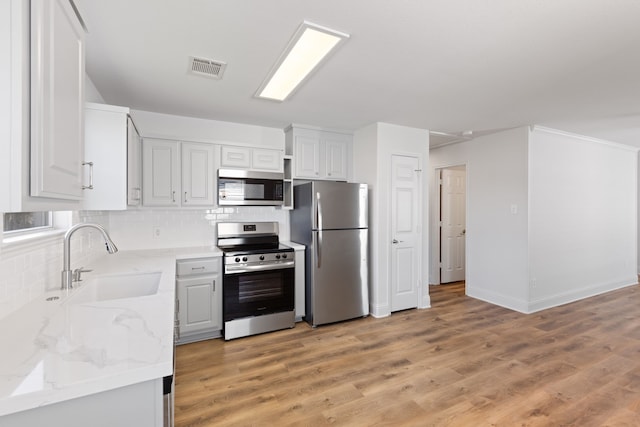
{"x":118,"y":286}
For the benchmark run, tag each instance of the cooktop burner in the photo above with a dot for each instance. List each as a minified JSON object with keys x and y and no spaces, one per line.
{"x":244,"y":238}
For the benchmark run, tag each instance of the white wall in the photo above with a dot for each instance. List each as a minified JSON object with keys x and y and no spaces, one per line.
{"x":624,"y":130}
{"x":91,"y":93}
{"x":5,"y":98}
{"x":583,"y":217}
{"x":496,"y":238}
{"x":365,"y":170}
{"x":373,"y":148}
{"x":157,"y":125}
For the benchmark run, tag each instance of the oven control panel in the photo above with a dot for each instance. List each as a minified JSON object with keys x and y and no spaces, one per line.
{"x":258,"y":262}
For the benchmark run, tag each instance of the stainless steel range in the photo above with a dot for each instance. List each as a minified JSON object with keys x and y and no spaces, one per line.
{"x":258,"y":281}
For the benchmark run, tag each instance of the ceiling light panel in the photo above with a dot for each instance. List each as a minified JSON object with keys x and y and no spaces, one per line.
{"x":310,"y":45}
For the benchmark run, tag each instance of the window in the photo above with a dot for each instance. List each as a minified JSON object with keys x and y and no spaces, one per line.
{"x":27,"y":221}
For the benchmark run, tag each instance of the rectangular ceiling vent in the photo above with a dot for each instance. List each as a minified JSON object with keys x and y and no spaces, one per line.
{"x":206,"y":67}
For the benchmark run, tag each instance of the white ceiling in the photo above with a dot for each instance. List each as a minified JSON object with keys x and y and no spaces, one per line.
{"x":444,"y":65}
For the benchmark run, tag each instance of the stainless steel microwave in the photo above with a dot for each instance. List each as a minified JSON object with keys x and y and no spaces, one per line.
{"x":249,"y":188}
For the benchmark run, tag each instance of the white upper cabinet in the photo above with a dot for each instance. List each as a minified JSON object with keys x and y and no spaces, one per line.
{"x":336,"y":155}
{"x":41,"y":107}
{"x":134,"y":165}
{"x":319,"y":154}
{"x":160,"y":175}
{"x":57,"y":100}
{"x":177,"y":173}
{"x":108,"y":130}
{"x":250,"y":158}
{"x":235,"y":157}
{"x":198,"y":179}
{"x":307,"y":157}
{"x":265,"y":159}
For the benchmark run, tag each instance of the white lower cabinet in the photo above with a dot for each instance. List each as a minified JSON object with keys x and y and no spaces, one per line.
{"x":299,"y":280}
{"x":137,"y":405}
{"x":199,"y":299}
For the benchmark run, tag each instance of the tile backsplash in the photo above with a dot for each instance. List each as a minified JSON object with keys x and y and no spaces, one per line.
{"x":156,"y":228}
{"x":28,"y":270}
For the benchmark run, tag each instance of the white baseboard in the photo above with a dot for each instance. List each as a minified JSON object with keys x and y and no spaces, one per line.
{"x":578,"y":294}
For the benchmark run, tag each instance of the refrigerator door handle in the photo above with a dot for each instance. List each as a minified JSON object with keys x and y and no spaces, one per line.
{"x":319,"y":249}
{"x":319,"y":224}
{"x":318,"y":212}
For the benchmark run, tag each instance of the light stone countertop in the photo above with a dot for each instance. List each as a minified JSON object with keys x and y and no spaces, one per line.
{"x":54,"y":351}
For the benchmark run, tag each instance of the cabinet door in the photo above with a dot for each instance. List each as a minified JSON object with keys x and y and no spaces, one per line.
{"x":134,"y":165}
{"x":235,"y":157}
{"x":307,"y":157}
{"x":197,"y":174}
{"x":264,"y":159}
{"x":57,"y":100}
{"x":160,"y":173}
{"x":335,"y":158}
{"x":200,"y":304}
{"x":106,"y":148}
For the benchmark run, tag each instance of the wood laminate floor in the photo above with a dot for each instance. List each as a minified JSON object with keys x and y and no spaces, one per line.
{"x":462,"y":362}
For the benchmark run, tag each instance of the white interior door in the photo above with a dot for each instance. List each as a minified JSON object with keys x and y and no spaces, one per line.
{"x":406,"y":202}
{"x":453,"y":225}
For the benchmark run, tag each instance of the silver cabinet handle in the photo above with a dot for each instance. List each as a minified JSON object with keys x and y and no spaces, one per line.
{"x":90,"y":186}
{"x":173,"y":196}
{"x":214,"y":286}
{"x":185,"y":197}
{"x":138,"y":193}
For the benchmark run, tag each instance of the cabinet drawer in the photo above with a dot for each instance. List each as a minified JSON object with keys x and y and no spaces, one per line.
{"x":198,"y":266}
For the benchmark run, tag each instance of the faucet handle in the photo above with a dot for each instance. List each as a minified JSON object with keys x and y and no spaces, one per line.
{"x":77,"y":274}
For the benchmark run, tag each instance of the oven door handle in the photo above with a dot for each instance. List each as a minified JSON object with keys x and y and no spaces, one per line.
{"x":252,"y":268}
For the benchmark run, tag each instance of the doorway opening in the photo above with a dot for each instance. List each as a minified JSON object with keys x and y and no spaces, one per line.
{"x":451,"y":225}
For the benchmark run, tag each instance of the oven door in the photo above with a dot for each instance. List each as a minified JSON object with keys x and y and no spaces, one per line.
{"x":255,"y":293}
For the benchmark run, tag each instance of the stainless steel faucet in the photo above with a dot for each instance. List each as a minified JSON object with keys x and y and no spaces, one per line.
{"x":67,"y":274}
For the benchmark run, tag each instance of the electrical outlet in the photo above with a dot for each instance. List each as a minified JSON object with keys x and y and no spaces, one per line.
{"x":156,"y":232}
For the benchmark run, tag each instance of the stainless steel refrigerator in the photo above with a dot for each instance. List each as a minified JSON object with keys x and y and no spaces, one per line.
{"x":331,"y":220}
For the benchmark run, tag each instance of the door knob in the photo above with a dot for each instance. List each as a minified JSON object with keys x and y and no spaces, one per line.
{"x":394,"y":241}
